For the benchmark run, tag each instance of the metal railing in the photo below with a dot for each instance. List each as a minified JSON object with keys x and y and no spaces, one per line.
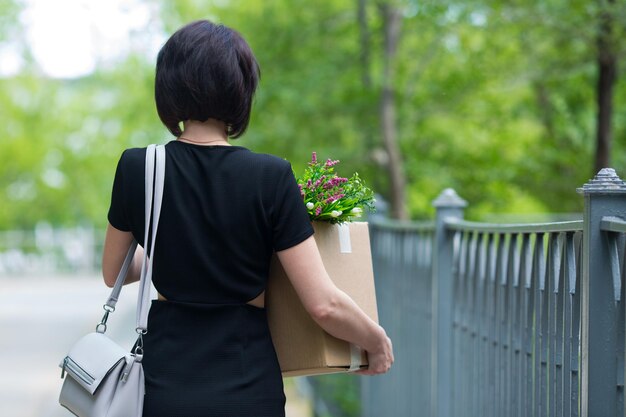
{"x":503,"y":319}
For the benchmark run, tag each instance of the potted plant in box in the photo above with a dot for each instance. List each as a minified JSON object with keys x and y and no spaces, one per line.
{"x":333,"y":202}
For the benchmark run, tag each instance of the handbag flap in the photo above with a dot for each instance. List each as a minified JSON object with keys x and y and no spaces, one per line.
{"x":92,"y":358}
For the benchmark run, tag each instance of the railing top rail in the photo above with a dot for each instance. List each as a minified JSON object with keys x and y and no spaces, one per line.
{"x":553,"y":227}
{"x":404,"y":225}
{"x":613,"y":224}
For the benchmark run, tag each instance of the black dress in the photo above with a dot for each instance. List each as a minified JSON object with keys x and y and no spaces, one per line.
{"x":225,"y":211}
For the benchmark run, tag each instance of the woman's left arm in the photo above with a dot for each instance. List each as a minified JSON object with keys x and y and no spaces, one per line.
{"x":116,"y":244}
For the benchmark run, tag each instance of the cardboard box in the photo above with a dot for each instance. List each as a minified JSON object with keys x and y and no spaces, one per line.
{"x":303,"y":348}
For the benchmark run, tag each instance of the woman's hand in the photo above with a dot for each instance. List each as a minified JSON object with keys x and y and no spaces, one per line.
{"x":379,"y":360}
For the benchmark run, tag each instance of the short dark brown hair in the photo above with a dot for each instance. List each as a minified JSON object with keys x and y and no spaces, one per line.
{"x":205,"y":71}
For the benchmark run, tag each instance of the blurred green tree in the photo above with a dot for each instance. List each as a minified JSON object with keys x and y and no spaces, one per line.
{"x":497,"y":99}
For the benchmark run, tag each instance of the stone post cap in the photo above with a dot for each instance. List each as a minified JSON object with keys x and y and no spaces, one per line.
{"x":605,"y":182}
{"x":449,"y":198}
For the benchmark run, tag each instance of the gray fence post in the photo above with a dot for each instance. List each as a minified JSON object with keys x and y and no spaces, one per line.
{"x":605,"y":195}
{"x":448,"y":205}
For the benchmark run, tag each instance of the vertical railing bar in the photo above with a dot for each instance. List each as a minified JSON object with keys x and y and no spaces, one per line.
{"x":481,"y":325}
{"x":488,"y":381}
{"x":405,"y":274}
{"x":558,"y":347}
{"x":550,"y":342}
{"x":473,"y":324}
{"x":458,"y":340}
{"x":465,"y":328}
{"x":524,"y":283}
{"x":568,"y":312}
{"x":428,"y":316}
{"x":470,"y":334}
{"x":509,"y":262}
{"x":421,"y":285}
{"x":491,"y":351}
{"x":495,"y":336}
{"x":574,"y":268}
{"x":410,"y":284}
{"x":402,"y":283}
{"x":425,"y":342}
{"x":508,"y":283}
{"x":500,"y":282}
{"x":529,"y":329}
{"x":484,"y":326}
{"x":517,"y":326}
{"x":415,"y":240}
{"x":395,"y":313}
{"x":545,"y":339}
{"x":621,"y":324}
{"x":537,"y":310}
{"x":497,"y":308}
{"x":456,"y":259}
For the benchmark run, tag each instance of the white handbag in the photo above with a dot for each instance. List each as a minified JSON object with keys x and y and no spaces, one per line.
{"x":104,"y":379}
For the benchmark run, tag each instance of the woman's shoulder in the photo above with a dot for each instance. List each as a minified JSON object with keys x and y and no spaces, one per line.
{"x":267,"y":160}
{"x":132,"y":162}
{"x":133,"y":155}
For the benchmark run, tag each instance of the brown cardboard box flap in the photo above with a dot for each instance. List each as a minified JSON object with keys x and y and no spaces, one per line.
{"x":303,"y":348}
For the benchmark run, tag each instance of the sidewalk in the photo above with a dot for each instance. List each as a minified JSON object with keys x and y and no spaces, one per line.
{"x":40,"y":318}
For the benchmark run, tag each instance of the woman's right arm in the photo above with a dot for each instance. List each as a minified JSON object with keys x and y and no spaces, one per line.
{"x":116,"y":244}
{"x":333,"y":309}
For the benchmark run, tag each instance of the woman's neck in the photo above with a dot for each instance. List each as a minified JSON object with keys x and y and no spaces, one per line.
{"x":211,"y":132}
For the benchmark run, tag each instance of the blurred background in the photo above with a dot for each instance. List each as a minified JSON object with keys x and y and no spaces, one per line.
{"x":512,"y":103}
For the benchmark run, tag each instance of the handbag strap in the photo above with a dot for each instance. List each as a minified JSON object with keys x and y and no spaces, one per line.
{"x":155,"y":179}
{"x":154,"y":184}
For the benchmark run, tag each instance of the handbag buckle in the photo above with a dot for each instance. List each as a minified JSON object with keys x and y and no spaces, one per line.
{"x":139,"y":344}
{"x":102,"y":326}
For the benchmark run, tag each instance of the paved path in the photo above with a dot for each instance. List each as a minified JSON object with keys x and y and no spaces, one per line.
{"x":40,"y":318}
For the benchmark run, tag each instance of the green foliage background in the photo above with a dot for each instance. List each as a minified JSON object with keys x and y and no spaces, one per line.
{"x":495,"y":99}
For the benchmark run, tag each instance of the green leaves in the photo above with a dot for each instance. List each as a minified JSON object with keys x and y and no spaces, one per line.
{"x":331,"y":198}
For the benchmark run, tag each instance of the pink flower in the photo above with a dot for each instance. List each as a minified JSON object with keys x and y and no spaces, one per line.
{"x":319,"y":181}
{"x":331,"y":163}
{"x":318,"y":210}
{"x":314,"y":158}
{"x":334,"y":198}
{"x":334,"y":182}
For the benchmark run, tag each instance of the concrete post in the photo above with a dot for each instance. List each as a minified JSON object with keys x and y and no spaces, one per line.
{"x":605,"y":195}
{"x":449,"y":206}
